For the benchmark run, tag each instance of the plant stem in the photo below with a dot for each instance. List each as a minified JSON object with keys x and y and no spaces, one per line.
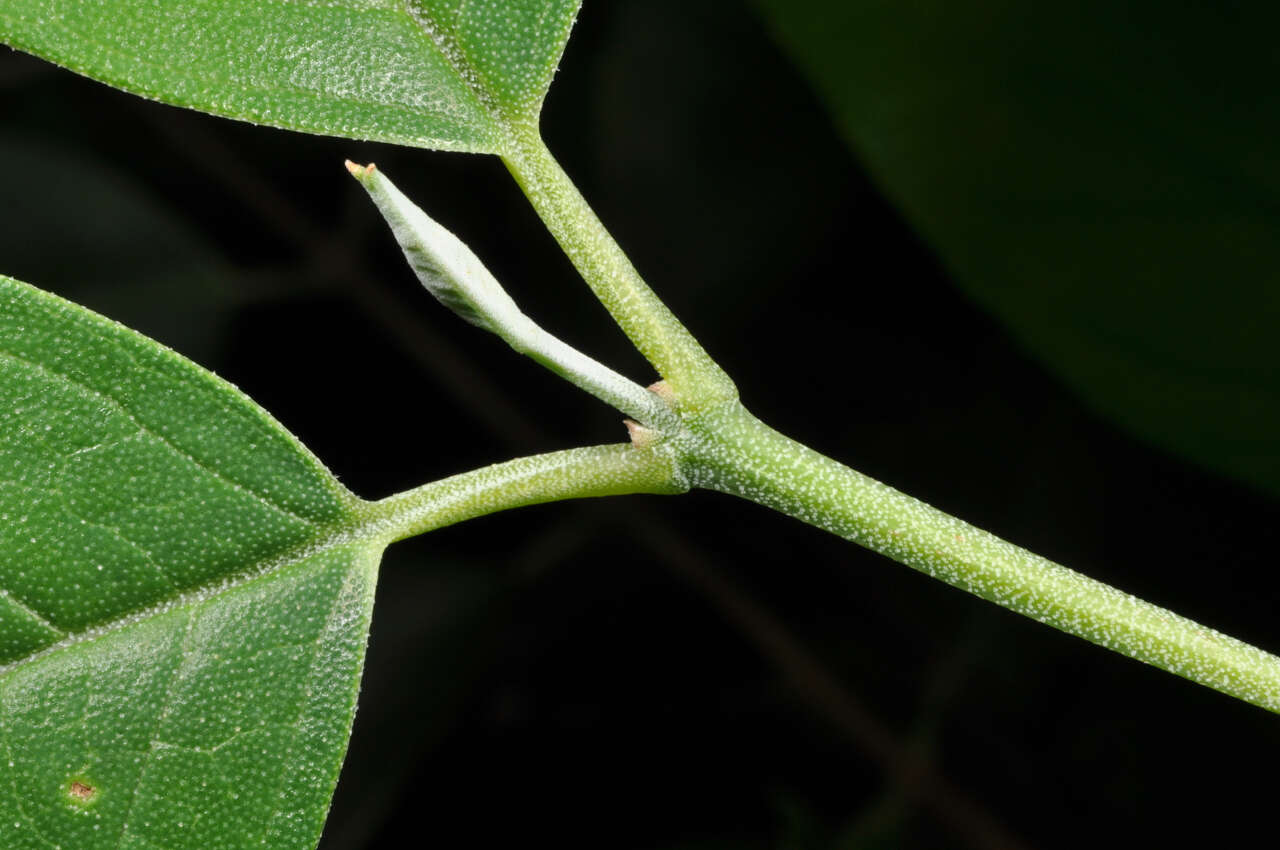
{"x":615,"y":470}
{"x":736,"y":453}
{"x":696,"y":380}
{"x":723,"y":447}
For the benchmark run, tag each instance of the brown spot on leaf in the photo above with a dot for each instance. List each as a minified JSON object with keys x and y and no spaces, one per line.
{"x":84,"y":792}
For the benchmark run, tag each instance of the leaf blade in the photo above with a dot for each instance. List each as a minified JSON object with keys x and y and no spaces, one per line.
{"x":158,"y":520}
{"x":1099,"y":178}
{"x":126,"y":463}
{"x":426,"y":73}
{"x":166,"y":722}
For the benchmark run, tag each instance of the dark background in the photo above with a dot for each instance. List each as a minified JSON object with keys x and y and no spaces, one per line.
{"x":693,"y":672}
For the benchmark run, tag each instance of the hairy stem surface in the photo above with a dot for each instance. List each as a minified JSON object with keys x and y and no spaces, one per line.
{"x":721,"y":446}
{"x":679,"y":358}
{"x":738,"y":454}
{"x":581,"y":473}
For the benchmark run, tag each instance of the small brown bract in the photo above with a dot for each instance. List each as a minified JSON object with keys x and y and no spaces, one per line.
{"x":641,"y":437}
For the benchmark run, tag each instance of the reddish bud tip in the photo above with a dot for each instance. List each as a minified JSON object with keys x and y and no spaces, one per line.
{"x":358,"y":170}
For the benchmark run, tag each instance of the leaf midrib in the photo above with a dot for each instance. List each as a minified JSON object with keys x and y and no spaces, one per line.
{"x":441,"y":44}
{"x":143,"y":428}
{"x":361,"y":527}
{"x":31,"y":612}
{"x":355,"y":525}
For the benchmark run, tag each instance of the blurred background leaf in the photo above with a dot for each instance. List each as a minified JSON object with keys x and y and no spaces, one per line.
{"x":122,"y":250}
{"x":1103,"y":177}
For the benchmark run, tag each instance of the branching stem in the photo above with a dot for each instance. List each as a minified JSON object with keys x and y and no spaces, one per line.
{"x":707,"y":439}
{"x":696,"y":380}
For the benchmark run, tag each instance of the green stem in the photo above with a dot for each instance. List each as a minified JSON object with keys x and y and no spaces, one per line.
{"x":723,"y":447}
{"x":736,"y":453}
{"x":696,"y":380}
{"x":581,"y":473}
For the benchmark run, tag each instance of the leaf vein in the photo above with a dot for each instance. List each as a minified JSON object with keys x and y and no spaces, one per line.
{"x":467,"y":73}
{"x":308,"y":692}
{"x":120,"y":407}
{"x":32,"y":612}
{"x":165,"y":706}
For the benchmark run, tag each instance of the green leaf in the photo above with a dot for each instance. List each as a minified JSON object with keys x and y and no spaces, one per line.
{"x":448,"y":74}
{"x":1102,"y":177}
{"x":185,"y":591}
{"x":185,"y":595}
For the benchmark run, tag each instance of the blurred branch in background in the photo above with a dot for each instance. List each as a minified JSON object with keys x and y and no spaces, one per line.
{"x":909,"y":769}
